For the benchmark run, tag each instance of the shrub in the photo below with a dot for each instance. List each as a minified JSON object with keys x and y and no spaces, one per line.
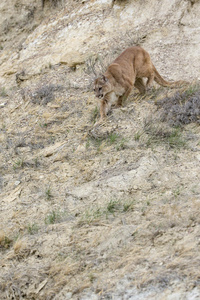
{"x":182,"y":108}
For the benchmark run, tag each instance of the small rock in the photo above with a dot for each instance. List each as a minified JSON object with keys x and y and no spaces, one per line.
{"x":81,"y":148}
{"x":17,"y":182}
{"x":198,"y":156}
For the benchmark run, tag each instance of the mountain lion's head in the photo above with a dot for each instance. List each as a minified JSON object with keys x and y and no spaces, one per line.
{"x":102,"y":87}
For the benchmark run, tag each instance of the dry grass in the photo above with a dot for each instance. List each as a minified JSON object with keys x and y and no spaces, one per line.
{"x":5,"y":241}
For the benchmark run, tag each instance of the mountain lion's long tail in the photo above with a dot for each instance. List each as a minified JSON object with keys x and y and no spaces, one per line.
{"x":158,"y":78}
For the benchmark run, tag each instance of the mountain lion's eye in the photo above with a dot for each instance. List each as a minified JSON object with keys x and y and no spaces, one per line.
{"x":100,"y":88}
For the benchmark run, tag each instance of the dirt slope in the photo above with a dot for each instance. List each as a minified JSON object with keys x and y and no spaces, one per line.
{"x":107,"y":211}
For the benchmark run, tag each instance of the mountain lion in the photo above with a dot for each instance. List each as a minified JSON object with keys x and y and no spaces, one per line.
{"x":126,"y":71}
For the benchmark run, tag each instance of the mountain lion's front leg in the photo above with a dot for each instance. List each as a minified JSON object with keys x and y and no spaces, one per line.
{"x":123,"y":98}
{"x":103,"y":108}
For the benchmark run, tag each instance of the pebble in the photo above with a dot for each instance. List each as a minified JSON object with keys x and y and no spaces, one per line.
{"x":17,"y":182}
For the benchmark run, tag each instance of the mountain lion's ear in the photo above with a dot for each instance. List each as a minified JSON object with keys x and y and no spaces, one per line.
{"x":105,"y":79}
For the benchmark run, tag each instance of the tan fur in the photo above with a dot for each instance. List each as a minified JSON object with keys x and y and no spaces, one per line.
{"x":126,"y":71}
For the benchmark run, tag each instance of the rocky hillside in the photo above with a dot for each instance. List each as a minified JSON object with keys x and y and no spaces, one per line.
{"x":94,"y":210}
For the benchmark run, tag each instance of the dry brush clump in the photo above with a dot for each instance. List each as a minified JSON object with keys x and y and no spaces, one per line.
{"x":165,"y":126}
{"x":182,"y":108}
{"x":41,"y":95}
{"x":51,"y":2}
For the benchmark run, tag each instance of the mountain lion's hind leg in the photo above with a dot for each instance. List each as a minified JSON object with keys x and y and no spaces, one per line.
{"x":139,"y":84}
{"x":150,"y":81}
